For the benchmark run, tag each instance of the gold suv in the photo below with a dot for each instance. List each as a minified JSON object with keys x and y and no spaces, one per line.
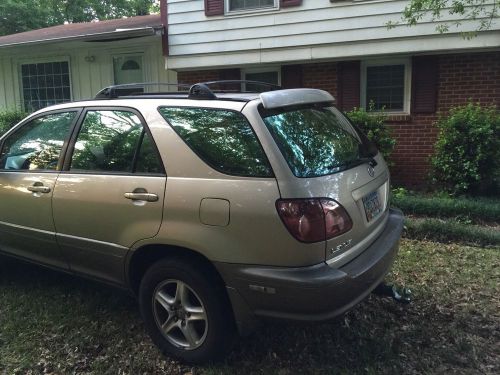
{"x":215,"y":207}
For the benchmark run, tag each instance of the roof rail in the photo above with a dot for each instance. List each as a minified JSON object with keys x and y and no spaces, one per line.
{"x":128,"y":89}
{"x":202,"y":90}
{"x":197,"y":91}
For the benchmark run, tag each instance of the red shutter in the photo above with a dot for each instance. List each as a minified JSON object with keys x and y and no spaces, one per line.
{"x":425,"y":75}
{"x":290,"y":3}
{"x":214,"y":7}
{"x":348,"y":79}
{"x":291,"y":76}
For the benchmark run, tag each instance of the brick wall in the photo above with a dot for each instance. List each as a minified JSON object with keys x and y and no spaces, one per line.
{"x":462,"y":77}
{"x":198,"y":76}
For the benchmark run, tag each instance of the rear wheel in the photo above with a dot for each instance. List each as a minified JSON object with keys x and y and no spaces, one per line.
{"x":186,"y":311}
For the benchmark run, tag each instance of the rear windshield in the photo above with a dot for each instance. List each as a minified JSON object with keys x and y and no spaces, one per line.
{"x":316,"y":140}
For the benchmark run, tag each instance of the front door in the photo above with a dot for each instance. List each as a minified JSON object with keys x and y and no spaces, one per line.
{"x":29,"y":161}
{"x":109,"y":194}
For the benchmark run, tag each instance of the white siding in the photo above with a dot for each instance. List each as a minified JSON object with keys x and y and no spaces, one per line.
{"x":87,"y":78}
{"x":316,"y":29}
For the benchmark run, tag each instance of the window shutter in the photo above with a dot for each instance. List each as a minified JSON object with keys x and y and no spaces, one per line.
{"x":348,"y":80}
{"x":290,"y":3}
{"x":214,"y":7}
{"x":425,"y":75}
{"x":291,"y":76}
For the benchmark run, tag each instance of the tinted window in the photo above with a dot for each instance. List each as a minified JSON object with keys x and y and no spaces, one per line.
{"x":223,"y":139}
{"x":147,"y":159}
{"x":315,"y":141}
{"x":37,"y":144}
{"x":109,"y":141}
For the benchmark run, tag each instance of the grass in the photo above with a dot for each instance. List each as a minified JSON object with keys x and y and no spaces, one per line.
{"x":451,"y":231}
{"x":477,"y":210}
{"x":53,"y":323}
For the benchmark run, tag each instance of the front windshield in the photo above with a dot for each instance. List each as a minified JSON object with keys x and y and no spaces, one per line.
{"x":315,"y":140}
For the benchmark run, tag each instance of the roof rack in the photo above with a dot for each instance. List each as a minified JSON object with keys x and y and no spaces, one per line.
{"x":197,"y":91}
{"x":132,"y":89}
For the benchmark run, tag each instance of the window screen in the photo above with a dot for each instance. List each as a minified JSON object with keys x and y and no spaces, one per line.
{"x":45,"y":84}
{"x":250,"y":4}
{"x":223,"y":139}
{"x":385,"y":86}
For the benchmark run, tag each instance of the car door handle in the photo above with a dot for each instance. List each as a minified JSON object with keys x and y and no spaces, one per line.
{"x":141,"y":196}
{"x":37,"y":187}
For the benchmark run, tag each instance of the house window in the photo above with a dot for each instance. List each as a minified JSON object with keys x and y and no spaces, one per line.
{"x":249,"y":5}
{"x":268,"y":75}
{"x":387,"y":85}
{"x":45,"y":84}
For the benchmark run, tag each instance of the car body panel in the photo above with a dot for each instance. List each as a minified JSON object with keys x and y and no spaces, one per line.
{"x":26,"y":225}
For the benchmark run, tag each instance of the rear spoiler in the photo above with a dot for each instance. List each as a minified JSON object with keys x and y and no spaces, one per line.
{"x":291,"y":97}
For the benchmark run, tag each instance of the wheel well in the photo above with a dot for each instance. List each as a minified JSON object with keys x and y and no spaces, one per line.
{"x":146,"y":256}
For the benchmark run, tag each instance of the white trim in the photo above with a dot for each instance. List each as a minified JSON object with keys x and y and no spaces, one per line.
{"x":228,"y":12}
{"x":261,"y":69}
{"x":406,"y":61}
{"x":437,"y":44}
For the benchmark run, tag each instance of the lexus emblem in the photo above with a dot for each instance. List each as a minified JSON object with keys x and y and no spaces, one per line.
{"x":371,"y":171}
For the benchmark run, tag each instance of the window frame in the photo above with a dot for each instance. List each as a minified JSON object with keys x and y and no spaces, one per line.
{"x":209,"y":165}
{"x":365,"y":64}
{"x":64,"y":148}
{"x":229,"y":12}
{"x":266,"y":69}
{"x":76,"y":131}
{"x":45,"y":60}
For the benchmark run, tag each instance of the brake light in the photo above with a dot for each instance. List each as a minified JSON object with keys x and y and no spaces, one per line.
{"x":313,"y":220}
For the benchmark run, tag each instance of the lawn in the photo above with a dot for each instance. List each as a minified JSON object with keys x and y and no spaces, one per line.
{"x":51,"y":323}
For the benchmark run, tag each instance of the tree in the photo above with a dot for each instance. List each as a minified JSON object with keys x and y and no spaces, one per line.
{"x":481,"y":11}
{"x":23,"y":15}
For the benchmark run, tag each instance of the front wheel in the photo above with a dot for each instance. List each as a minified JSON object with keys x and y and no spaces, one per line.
{"x":186,"y":311}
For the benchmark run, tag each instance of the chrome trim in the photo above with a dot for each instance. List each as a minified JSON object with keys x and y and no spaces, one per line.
{"x":103,"y":243}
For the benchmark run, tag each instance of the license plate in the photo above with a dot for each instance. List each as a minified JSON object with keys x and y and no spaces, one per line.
{"x":372,"y":205}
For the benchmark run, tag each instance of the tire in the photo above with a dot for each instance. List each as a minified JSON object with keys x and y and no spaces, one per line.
{"x":191,"y":303}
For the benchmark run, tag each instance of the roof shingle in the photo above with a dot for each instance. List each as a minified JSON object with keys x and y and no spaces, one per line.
{"x":75,"y":30}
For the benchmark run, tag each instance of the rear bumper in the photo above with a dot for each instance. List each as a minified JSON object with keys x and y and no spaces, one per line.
{"x":316,"y":292}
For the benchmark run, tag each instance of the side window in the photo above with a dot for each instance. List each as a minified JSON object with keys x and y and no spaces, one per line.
{"x":37,"y":145}
{"x":113,"y":141}
{"x":223,"y":139}
{"x":147,"y":157}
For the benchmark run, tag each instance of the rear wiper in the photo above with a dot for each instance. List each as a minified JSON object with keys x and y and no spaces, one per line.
{"x":352,"y":163}
{"x":370,"y":160}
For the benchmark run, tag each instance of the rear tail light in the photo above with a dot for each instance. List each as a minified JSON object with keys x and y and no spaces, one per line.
{"x":313,"y":220}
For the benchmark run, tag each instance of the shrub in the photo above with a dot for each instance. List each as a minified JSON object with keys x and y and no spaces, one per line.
{"x":373,"y":125}
{"x":9,"y":118}
{"x":467,"y":151}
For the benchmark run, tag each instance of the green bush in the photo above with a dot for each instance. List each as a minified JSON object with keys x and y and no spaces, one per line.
{"x":9,"y":118}
{"x":373,"y":125}
{"x":467,"y":151}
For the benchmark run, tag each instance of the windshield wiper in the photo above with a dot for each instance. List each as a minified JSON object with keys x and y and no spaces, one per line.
{"x":353,"y":163}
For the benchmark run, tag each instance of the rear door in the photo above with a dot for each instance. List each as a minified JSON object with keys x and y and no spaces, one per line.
{"x":110,"y":192}
{"x":30,"y":159}
{"x":326,"y":157}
